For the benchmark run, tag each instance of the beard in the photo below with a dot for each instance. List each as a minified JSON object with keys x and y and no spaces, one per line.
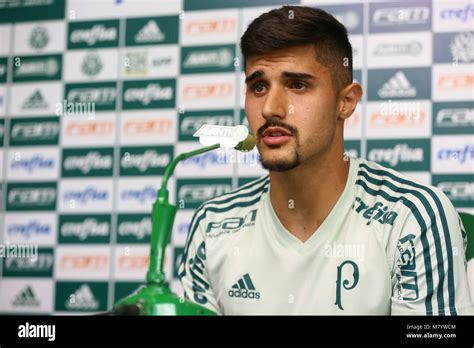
{"x":281,"y":164}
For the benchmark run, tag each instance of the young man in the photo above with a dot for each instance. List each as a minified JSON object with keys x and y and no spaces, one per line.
{"x":323,"y":233}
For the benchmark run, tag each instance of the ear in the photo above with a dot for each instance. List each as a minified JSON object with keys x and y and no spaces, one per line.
{"x":349,"y":96}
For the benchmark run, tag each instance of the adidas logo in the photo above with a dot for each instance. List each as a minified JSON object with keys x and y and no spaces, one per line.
{"x":397,"y":86}
{"x":26,"y":298}
{"x":35,"y":101}
{"x":83,"y":298}
{"x":150,"y":33}
{"x":244,"y":288}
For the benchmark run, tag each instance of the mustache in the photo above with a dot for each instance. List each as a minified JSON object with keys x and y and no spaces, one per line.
{"x":276,"y":123}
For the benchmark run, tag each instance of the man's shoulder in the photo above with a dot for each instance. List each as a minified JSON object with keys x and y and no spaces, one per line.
{"x":244,"y":197}
{"x":376,"y":182}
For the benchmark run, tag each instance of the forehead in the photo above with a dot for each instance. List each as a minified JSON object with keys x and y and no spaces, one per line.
{"x":300,"y":58}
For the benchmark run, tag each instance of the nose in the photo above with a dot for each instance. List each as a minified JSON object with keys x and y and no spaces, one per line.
{"x":275,"y":103}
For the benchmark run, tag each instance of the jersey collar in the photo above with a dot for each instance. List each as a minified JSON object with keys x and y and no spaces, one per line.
{"x":343,"y":205}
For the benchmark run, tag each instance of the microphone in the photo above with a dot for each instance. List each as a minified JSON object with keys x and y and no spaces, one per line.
{"x":156,"y":298}
{"x":247,"y":145}
{"x":237,"y":137}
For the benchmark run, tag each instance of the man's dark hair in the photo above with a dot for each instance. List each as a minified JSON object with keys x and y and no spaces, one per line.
{"x":299,"y":25}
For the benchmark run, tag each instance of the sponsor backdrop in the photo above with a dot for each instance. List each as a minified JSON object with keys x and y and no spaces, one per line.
{"x":96,"y":97}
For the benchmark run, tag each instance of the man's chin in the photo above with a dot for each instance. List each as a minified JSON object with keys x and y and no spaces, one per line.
{"x":279,"y":159}
{"x":278,"y":165}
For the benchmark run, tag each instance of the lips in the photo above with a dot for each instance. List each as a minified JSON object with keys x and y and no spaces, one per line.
{"x":275,"y":132}
{"x":275,"y":136}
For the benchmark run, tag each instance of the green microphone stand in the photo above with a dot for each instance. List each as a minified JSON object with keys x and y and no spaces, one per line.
{"x":156,"y":298}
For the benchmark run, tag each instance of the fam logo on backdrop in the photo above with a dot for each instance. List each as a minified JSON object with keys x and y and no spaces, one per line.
{"x":453,"y":118}
{"x":76,"y":263}
{"x":31,"y":196}
{"x":458,"y":187}
{"x":190,"y":122}
{"x":205,"y":91}
{"x":148,"y":127}
{"x":131,"y":262}
{"x":216,"y":27}
{"x":102,"y":95}
{"x":83,"y":132}
{"x":453,"y":82}
{"x":41,"y":266}
{"x":34,"y":131}
{"x":191,"y":193}
{"x":398,"y":119}
{"x":392,"y":16}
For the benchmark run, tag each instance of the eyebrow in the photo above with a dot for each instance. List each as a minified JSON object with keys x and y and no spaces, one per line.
{"x":287,"y":74}
{"x":254,"y":76}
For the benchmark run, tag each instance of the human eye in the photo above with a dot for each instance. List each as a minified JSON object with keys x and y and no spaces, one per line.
{"x":298,"y":85}
{"x":258,"y":88}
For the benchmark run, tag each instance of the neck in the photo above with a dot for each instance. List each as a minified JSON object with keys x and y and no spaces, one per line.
{"x":304,"y":196}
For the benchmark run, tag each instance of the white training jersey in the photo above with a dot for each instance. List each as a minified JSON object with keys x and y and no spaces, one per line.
{"x":389,"y":246}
